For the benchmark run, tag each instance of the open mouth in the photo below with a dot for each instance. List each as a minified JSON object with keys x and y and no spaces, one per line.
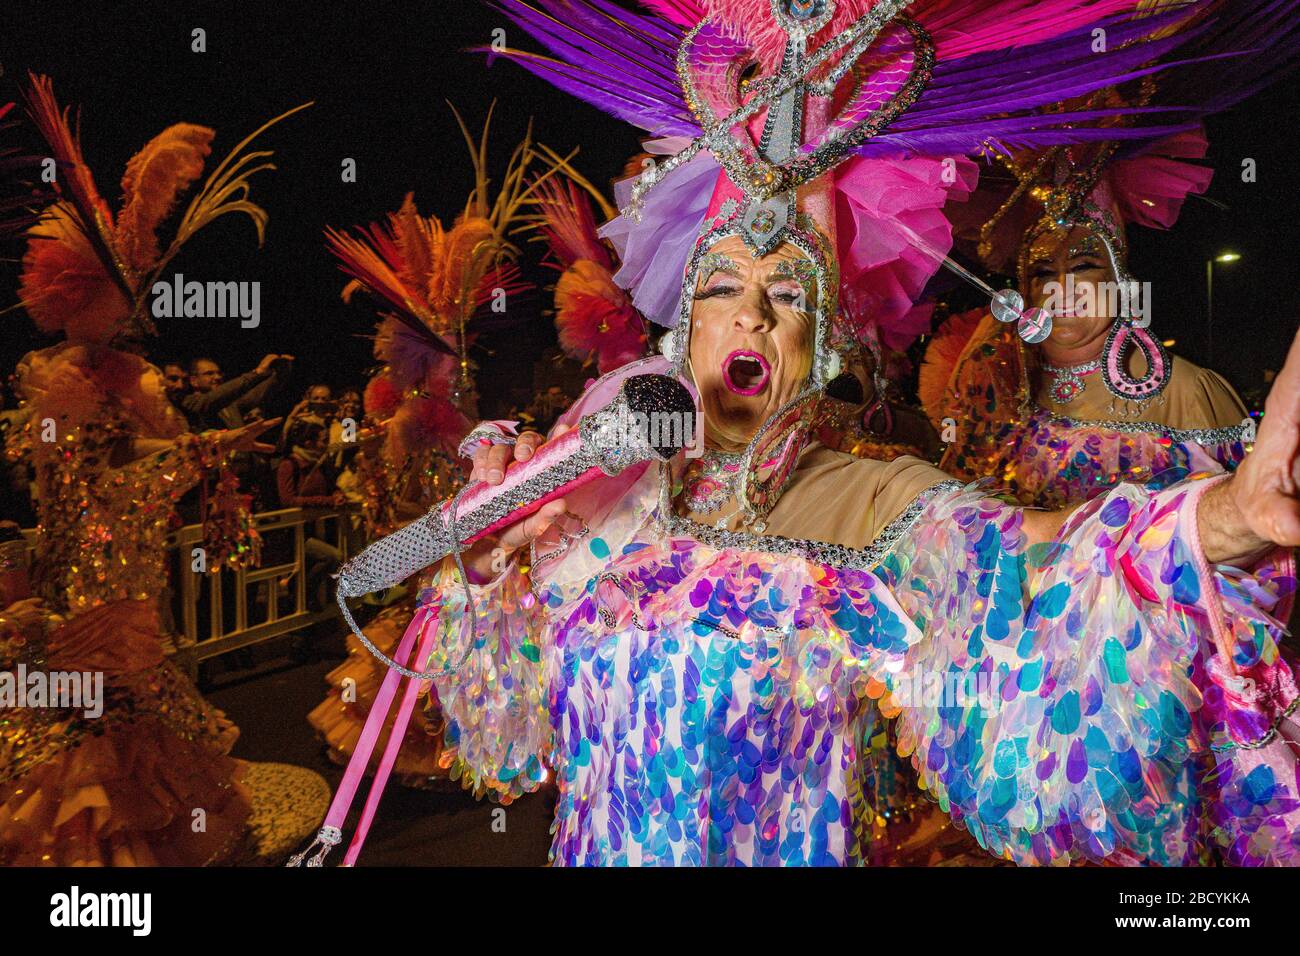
{"x":745,"y":373}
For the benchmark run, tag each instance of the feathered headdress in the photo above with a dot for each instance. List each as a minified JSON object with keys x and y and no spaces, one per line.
{"x":1133,"y":177}
{"x":21,"y":198}
{"x":432,"y":283}
{"x":1089,"y":185}
{"x":594,"y":317}
{"x":87,"y":272}
{"x":775,"y":115}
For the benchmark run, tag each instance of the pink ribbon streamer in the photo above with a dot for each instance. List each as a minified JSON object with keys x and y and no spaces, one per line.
{"x":395,"y":737}
{"x":356,"y":769}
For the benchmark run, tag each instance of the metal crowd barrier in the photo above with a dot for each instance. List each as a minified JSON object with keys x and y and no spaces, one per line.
{"x":215,"y":612}
{"x":264,"y":608}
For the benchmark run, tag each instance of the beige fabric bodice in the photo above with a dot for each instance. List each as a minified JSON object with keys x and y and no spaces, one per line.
{"x":1194,"y":398}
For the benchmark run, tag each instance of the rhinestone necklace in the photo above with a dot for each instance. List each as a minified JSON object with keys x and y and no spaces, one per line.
{"x":711,"y":479}
{"x":1067,"y":380}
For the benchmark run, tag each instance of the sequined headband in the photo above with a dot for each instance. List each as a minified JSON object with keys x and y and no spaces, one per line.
{"x":820,"y":267}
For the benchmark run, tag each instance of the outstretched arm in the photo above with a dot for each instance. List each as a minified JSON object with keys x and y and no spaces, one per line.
{"x":1258,"y":508}
{"x":1243,"y":517}
{"x":1095,"y":690}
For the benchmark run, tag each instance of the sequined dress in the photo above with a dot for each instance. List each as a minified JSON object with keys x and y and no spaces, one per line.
{"x":705,"y":697}
{"x":995,"y":405}
{"x":149,"y":781}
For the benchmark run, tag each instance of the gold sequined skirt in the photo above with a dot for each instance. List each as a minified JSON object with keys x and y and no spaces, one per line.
{"x":149,"y":780}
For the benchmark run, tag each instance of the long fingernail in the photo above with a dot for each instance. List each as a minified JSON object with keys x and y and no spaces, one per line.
{"x":525,"y":452}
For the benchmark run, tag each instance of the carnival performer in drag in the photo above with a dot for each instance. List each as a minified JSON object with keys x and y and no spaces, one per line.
{"x":1057,"y":412}
{"x":700,"y":662}
{"x":124,"y":787}
{"x":1061,"y":409}
{"x":598,"y":325}
{"x":1076,"y":408}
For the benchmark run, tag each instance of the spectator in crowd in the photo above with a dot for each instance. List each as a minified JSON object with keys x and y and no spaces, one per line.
{"x":305,"y":480}
{"x":347,"y":409}
{"x":213,"y":403}
{"x":350,"y":434}
{"x":344,"y":429}
{"x":176,"y":382}
{"x":317,"y":402}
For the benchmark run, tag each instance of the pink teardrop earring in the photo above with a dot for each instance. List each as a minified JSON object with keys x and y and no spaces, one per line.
{"x":1114,"y":372}
{"x":1124,"y":335}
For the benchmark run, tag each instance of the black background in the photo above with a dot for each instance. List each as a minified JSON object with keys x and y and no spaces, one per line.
{"x":381,"y":72}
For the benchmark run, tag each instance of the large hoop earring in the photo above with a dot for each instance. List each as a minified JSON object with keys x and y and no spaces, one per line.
{"x":1114,"y":372}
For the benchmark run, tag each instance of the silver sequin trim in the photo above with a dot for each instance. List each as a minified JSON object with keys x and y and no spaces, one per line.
{"x":1181,"y":436}
{"x":820,"y":552}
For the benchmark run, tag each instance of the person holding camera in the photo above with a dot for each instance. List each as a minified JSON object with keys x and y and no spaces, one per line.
{"x":318,"y":403}
{"x":213,"y":403}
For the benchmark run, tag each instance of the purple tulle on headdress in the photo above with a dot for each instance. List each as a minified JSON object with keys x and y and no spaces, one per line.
{"x":654,"y":251}
{"x":1000,"y":65}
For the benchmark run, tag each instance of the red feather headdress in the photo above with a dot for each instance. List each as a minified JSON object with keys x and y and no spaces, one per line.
{"x":432,"y":283}
{"x":87,"y":272}
{"x":594,"y":317}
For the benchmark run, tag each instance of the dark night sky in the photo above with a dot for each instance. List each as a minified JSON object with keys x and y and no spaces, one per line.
{"x":380,"y":71}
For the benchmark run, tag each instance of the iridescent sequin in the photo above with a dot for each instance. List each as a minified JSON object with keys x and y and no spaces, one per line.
{"x":1051,"y":462}
{"x":712,"y":706}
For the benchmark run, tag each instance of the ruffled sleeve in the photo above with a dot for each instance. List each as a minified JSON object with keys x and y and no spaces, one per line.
{"x":493,"y":688}
{"x":1072,"y":699}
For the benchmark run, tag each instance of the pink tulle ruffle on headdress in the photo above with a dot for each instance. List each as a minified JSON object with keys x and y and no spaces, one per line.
{"x":1150,"y":189}
{"x":882,"y":271}
{"x":1146,"y":189}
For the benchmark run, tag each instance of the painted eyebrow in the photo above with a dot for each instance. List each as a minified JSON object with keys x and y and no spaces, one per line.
{"x":801,"y":270}
{"x":717,"y":262}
